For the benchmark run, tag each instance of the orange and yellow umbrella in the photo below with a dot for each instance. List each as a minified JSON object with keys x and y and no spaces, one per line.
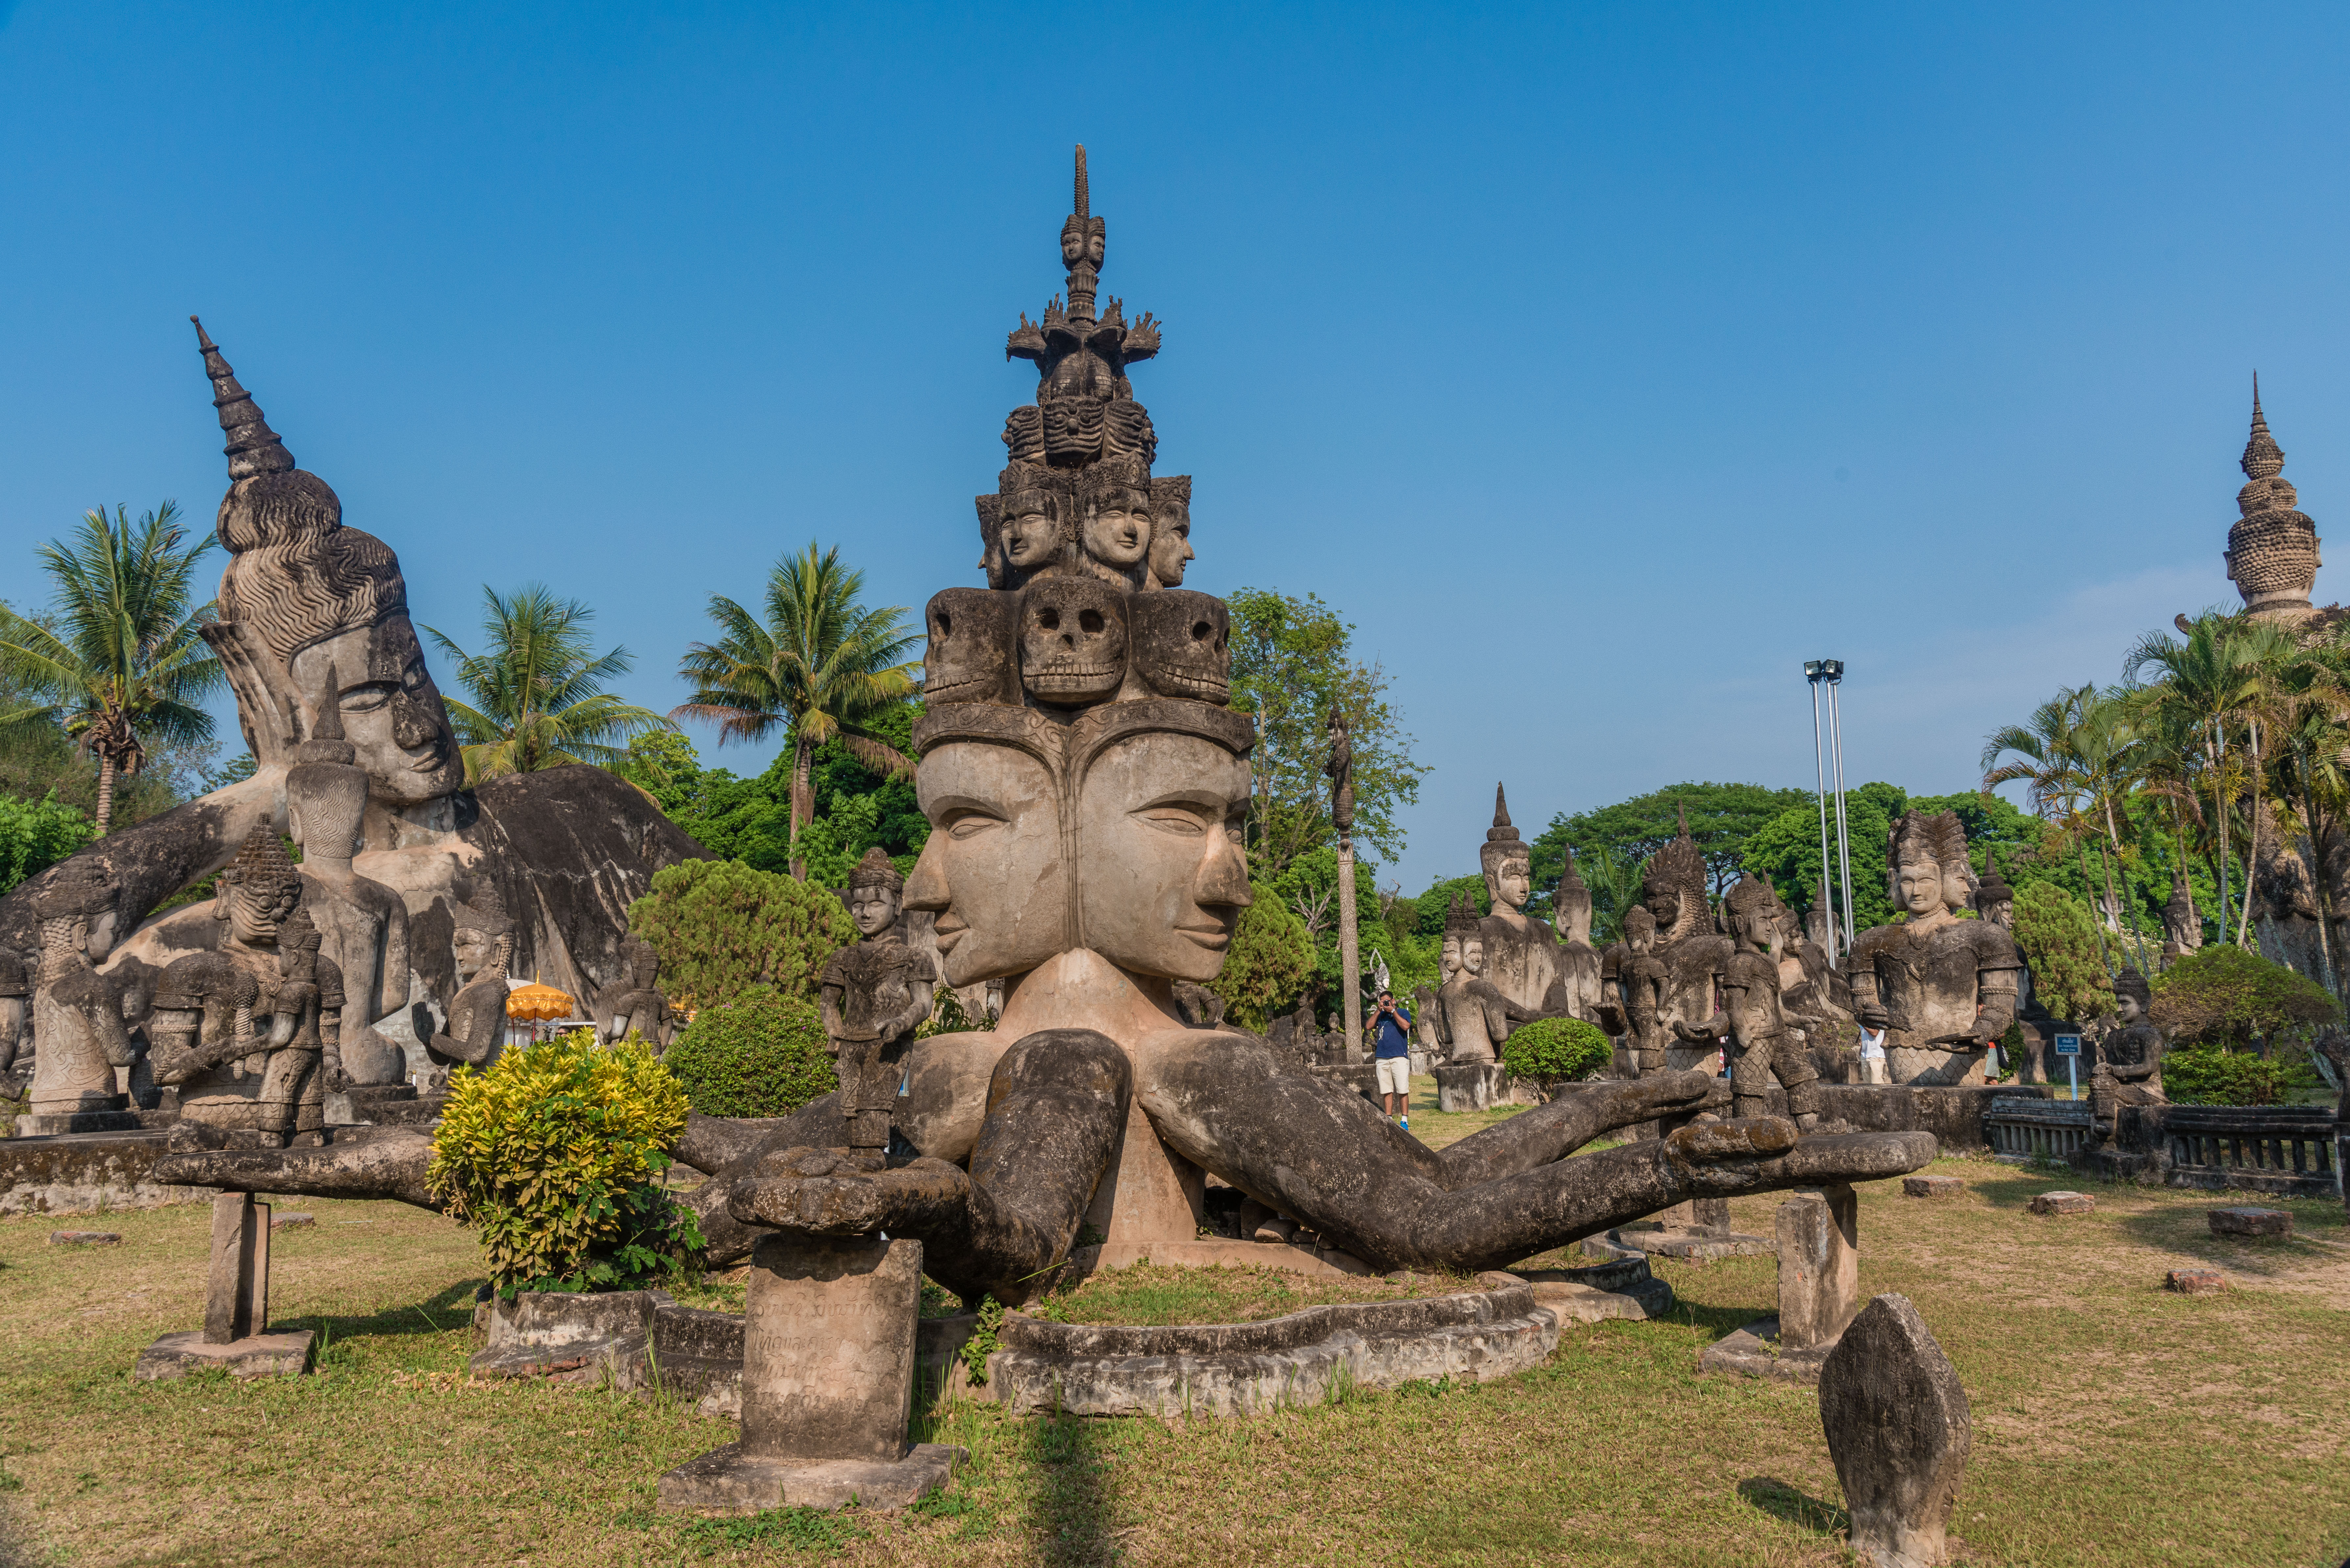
{"x":535,"y":1003}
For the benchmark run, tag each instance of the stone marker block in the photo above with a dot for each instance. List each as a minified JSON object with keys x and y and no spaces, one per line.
{"x":828,"y":1353}
{"x":2249,"y":1221}
{"x":2197,"y":1282}
{"x":257,"y":1355}
{"x":291,"y":1222}
{"x":1898,"y":1429}
{"x":84,"y":1238}
{"x":236,"y":1292}
{"x":1819,"y":1267}
{"x":2064,"y":1203}
{"x":1932,"y":1186}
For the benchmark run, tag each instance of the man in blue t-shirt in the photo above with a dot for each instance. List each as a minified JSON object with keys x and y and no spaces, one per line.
{"x":1392,"y":1027}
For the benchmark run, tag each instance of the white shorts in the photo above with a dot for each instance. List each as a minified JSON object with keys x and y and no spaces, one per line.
{"x":1395,"y":1075}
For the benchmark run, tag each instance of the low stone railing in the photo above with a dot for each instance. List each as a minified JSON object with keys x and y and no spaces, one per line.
{"x":2019,"y":1130}
{"x":2288,"y":1150}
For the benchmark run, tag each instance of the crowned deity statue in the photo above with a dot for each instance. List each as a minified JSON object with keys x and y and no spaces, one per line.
{"x":2128,"y":1069}
{"x":1474,"y":1017}
{"x":1943,"y":988}
{"x":1761,"y":1045}
{"x":240,"y":1030}
{"x":1578,"y":961}
{"x":86,"y":1051}
{"x":1523,"y":961}
{"x":1691,"y":951}
{"x":2182,"y":928}
{"x":1633,"y":1005}
{"x":484,"y":948}
{"x":876,"y":991}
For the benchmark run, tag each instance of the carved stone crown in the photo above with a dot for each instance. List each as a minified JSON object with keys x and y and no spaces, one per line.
{"x":875,"y":871}
{"x":1992,"y":888}
{"x":1680,"y":866}
{"x":262,"y":863}
{"x":1461,"y":916}
{"x":1940,"y":838}
{"x":2129,"y":983}
{"x":79,"y":889}
{"x":1751,"y":894}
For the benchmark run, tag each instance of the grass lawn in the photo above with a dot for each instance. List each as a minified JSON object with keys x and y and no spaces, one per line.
{"x":2115,"y":1423}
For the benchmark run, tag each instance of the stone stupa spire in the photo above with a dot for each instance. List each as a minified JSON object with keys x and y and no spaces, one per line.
{"x":2272,"y":549}
{"x":253,"y":447}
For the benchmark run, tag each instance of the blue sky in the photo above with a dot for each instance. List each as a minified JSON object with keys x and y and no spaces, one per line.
{"x":1600,"y":363}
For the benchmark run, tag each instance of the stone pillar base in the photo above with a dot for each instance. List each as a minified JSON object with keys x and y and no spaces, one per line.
{"x":76,"y":1122}
{"x":256,"y":1355}
{"x":1754,"y":1351}
{"x":1471,"y":1086}
{"x":728,"y":1481}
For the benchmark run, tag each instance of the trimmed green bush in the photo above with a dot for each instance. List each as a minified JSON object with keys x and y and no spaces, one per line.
{"x":556,"y":1153}
{"x":2223,"y":996}
{"x":1551,"y":1049}
{"x":2059,"y":940}
{"x":722,"y":928}
{"x":1271,"y":958}
{"x":2211,"y":1075}
{"x":761,"y":1055}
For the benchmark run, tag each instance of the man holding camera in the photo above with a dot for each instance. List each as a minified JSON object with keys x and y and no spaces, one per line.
{"x":1392,"y":1027}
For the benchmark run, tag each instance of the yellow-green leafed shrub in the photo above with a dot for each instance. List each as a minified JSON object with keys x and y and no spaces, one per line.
{"x":556,"y":1153}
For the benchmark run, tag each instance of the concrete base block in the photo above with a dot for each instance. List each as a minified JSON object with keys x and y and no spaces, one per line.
{"x":1207,"y":1253}
{"x":2062,"y":1203}
{"x":728,"y":1481}
{"x":76,"y":1122}
{"x":1623,"y":1289}
{"x":1932,"y":1187}
{"x":1689,"y":1246}
{"x":1754,"y":1352}
{"x":2245,"y":1222}
{"x":255,"y":1355}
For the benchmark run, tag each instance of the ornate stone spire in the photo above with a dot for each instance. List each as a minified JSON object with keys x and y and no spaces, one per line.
{"x":253,"y":447}
{"x":1502,"y":832}
{"x":2272,"y":549}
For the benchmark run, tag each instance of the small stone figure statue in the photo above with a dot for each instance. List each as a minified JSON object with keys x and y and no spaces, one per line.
{"x":2182,"y":928}
{"x":1691,"y":952}
{"x":77,"y":1012}
{"x":640,"y":1007}
{"x":2130,"y":1058}
{"x":875,"y":992}
{"x":225,"y":1024}
{"x":363,"y":922}
{"x":1578,"y":961}
{"x":1473,"y":1018}
{"x":15,"y":1007}
{"x":1522,"y":957}
{"x":1636,"y":1012}
{"x":1943,"y":988}
{"x":477,"y":1014}
{"x":1340,"y":766}
{"x":1761,"y":1045}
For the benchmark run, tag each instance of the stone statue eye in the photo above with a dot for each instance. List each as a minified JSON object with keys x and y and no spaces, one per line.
{"x":1049,"y":619}
{"x":1201,"y":631}
{"x":368,"y":698}
{"x":1089,"y":621}
{"x":946,"y":626}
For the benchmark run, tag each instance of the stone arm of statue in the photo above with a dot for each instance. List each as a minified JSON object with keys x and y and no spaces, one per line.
{"x":916,"y":1013}
{"x":1997,"y":996}
{"x":835,"y":1028}
{"x":1867,"y":1000}
{"x":1612,"y":1018}
{"x":1141,"y":340}
{"x":330,"y":1045}
{"x":172,"y":1031}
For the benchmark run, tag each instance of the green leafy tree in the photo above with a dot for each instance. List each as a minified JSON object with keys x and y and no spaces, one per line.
{"x":2225,"y":996}
{"x":537,"y":688}
{"x":37,"y":834}
{"x":120,"y":661}
{"x":722,"y":928}
{"x":760,"y":1054}
{"x":1270,"y":962}
{"x":1722,"y":818}
{"x":1293,"y":662}
{"x":820,"y":666}
{"x":2059,"y":940}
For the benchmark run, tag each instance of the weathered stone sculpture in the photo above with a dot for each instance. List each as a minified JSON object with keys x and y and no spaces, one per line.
{"x":1578,"y":961}
{"x":1761,"y":1047}
{"x":1688,"y":949}
{"x":15,"y":1007}
{"x":310,"y":607}
{"x":483,"y":947}
{"x":2129,"y":1070}
{"x":363,"y":922}
{"x":1171,"y":530}
{"x":2273,"y":550}
{"x":1522,"y":957}
{"x":1086,"y":850}
{"x":2182,"y":928}
{"x":1900,"y":1432}
{"x":1995,"y":903}
{"x":238,"y":1029}
{"x":1634,"y":1008}
{"x":76,"y":1012}
{"x":639,"y":1007}
{"x":1943,"y":988}
{"x":875,"y":992}
{"x":1473,"y":1018}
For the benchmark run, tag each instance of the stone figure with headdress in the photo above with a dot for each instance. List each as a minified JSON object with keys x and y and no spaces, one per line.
{"x":1943,"y":988}
{"x":1761,"y":1045}
{"x":2128,"y":1069}
{"x":1521,"y":956}
{"x":477,"y":1016}
{"x":638,"y":1007}
{"x":240,"y":1030}
{"x":1688,"y":948}
{"x":1578,"y":961}
{"x":876,"y":991}
{"x":1473,"y":1015}
{"x":77,"y":1012}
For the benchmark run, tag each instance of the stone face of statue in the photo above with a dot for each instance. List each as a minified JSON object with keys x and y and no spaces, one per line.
{"x":873,"y":908}
{"x":1162,"y":876}
{"x":1510,"y":882}
{"x":1170,"y":542}
{"x":1472,"y":954}
{"x":1031,"y":537}
{"x":257,"y":907}
{"x":2127,"y":1010}
{"x":1664,"y":907}
{"x":1919,"y":885}
{"x":1957,"y":888}
{"x":992,"y":871}
{"x":474,"y":950}
{"x":1449,"y":959}
{"x":1118,"y":530}
{"x":392,"y":711}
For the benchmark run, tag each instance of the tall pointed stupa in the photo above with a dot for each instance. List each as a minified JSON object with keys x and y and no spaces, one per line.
{"x":2273,"y":550}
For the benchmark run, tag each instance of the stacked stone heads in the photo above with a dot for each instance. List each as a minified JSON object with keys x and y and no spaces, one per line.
{"x":1077,"y":640}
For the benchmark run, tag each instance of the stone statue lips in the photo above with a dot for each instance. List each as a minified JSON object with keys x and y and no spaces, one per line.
{"x":1214,"y":938}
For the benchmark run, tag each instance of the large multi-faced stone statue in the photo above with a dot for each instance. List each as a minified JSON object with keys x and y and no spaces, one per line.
{"x":239,"y":1029}
{"x":76,"y":1010}
{"x":1522,"y":957}
{"x":1472,"y":1016}
{"x":332,"y":686}
{"x":1087,"y":787}
{"x":1943,"y":988}
{"x":875,"y":992}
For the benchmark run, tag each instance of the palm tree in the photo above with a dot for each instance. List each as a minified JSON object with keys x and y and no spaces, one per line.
{"x":120,"y":661}
{"x":538,"y":689}
{"x":821,"y":665}
{"x":2064,"y":763}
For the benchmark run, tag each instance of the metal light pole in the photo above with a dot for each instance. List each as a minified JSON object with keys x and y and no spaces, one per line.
{"x":1832,"y":669}
{"x":1812,"y":672}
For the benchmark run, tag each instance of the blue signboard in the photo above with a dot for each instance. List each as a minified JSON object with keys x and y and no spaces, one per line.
{"x":2068,"y":1044}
